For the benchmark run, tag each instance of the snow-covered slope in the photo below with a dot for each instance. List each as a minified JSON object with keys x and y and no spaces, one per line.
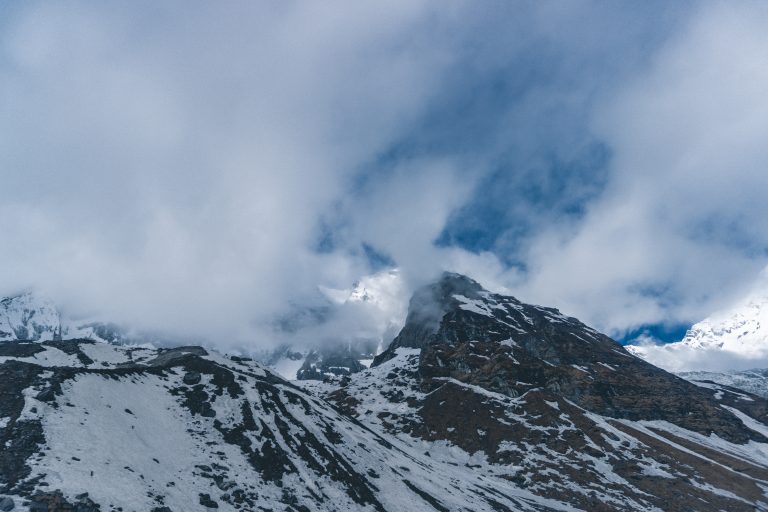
{"x":752,"y":381}
{"x":525,"y":393}
{"x":137,"y":429}
{"x":481,"y":403}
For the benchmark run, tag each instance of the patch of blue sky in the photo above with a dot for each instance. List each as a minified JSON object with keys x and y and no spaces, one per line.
{"x":662,"y":333}
{"x":511,"y":203}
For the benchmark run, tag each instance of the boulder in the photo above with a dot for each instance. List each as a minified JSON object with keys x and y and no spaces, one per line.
{"x":192,"y":378}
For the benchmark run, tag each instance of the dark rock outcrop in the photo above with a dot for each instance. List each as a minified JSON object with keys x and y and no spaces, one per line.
{"x":580,"y":418}
{"x":330,"y":361}
{"x":7,"y":504}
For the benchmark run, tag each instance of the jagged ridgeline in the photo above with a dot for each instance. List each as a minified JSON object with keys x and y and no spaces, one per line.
{"x":480,"y":403}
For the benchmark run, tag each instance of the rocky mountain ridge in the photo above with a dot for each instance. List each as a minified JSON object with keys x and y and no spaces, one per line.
{"x":559,"y":408}
{"x":104,"y":427}
{"x":482,"y":402}
{"x":32,"y":316}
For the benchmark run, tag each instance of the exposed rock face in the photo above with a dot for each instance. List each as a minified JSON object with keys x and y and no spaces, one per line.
{"x":481,"y":403}
{"x":426,"y":310}
{"x":566,"y":409}
{"x":505,"y":346}
{"x":326,"y":360}
{"x":187,"y":429}
{"x":330,"y":361}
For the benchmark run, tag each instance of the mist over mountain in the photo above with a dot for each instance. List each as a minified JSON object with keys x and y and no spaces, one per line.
{"x":201,"y":171}
{"x":385,"y":255}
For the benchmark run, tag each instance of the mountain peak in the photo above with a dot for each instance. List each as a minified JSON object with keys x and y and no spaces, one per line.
{"x":426,"y":309}
{"x":482,"y":402}
{"x":454,"y":283}
{"x":458,"y":327}
{"x":741,"y":329}
{"x":532,"y":389}
{"x":456,"y":306}
{"x":734,"y":338}
{"x":29,"y":316}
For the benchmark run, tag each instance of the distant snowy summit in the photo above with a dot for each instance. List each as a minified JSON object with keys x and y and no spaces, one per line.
{"x":379,"y":299}
{"x":384,"y":290}
{"x":29,"y":317}
{"x":742,"y":330}
{"x":736,"y":337}
{"x":729,"y":349}
{"x":33,"y":316}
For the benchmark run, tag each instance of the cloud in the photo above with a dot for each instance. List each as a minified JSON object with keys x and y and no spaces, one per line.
{"x":680,"y":228}
{"x":203,"y":169}
{"x":168,"y":166}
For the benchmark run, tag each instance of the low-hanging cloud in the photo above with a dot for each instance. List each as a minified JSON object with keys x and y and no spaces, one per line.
{"x":203,"y":169}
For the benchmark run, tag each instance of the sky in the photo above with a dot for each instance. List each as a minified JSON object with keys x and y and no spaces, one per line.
{"x":206,"y":169}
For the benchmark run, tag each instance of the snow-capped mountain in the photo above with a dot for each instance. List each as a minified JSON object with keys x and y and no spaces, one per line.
{"x":742,"y":329}
{"x":377,"y":298}
{"x":28,"y":316}
{"x":734,"y":338}
{"x":33,"y":316}
{"x":481,"y":403}
{"x":528,"y":394}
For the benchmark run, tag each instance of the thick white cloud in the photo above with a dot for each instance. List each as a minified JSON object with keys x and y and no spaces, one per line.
{"x":168,"y":166}
{"x":172,"y":165}
{"x":682,"y":225}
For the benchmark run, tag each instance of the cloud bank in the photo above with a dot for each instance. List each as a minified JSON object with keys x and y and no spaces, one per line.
{"x":203,"y":169}
{"x":680,"y":228}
